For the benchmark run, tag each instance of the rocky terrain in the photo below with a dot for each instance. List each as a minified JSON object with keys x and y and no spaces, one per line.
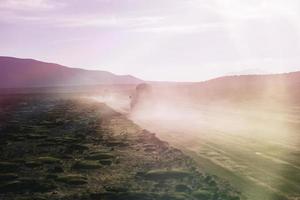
{"x":61,"y":148}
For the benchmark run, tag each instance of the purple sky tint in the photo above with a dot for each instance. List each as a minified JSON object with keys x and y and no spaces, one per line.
{"x":183,"y":40}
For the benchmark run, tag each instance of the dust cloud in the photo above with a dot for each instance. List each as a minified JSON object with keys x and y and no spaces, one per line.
{"x":249,"y":130}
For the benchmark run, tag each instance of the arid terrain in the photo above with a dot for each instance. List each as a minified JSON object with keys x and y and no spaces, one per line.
{"x":150,"y":100}
{"x":74,"y":148}
{"x":262,"y":162}
{"x":234,"y":137}
{"x":242,"y":128}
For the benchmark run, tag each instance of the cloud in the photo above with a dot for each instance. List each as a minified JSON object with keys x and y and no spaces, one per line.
{"x":220,"y":35}
{"x":256,"y":9}
{"x":178,"y":17}
{"x":181,"y":28}
{"x":61,"y":20}
{"x":46,"y":12}
{"x":106,"y":21}
{"x":28,"y":4}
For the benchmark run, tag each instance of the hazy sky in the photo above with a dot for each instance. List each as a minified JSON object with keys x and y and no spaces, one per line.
{"x":183,"y":40}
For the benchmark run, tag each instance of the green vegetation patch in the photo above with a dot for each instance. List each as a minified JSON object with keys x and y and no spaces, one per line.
{"x":182,"y":188}
{"x":78,"y":147}
{"x":84,"y":165}
{"x":167,"y":174}
{"x":12,"y":186}
{"x":105,"y":162}
{"x":8,"y":177}
{"x":117,"y":144}
{"x":63,"y":139}
{"x":32,"y":164}
{"x":26,"y":185}
{"x":175,"y":196}
{"x":124,"y":196}
{"x":139,"y":196}
{"x":36,"y":136}
{"x":99,"y":156}
{"x":202,"y":194}
{"x":72,"y":179}
{"x":49,"y":160}
{"x":8,"y":167}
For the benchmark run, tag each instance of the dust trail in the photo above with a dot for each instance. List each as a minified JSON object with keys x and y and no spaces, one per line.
{"x":226,"y":124}
{"x":261,"y":118}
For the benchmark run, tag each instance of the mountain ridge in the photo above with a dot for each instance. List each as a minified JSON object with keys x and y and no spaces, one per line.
{"x":22,"y":73}
{"x":47,"y":74}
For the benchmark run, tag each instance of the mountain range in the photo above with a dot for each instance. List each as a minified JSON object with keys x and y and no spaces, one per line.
{"x":27,"y":73}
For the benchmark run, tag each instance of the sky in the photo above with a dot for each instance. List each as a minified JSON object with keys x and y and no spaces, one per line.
{"x":171,"y":40}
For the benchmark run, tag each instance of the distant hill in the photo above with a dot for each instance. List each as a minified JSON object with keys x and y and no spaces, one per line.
{"x":255,"y":89}
{"x":251,"y":87}
{"x":25,"y":73}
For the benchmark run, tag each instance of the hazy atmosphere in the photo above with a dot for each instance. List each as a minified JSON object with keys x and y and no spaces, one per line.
{"x":150,"y":99}
{"x":170,"y":40}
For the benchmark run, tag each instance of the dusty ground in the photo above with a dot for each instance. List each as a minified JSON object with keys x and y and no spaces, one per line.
{"x":54,"y":148}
